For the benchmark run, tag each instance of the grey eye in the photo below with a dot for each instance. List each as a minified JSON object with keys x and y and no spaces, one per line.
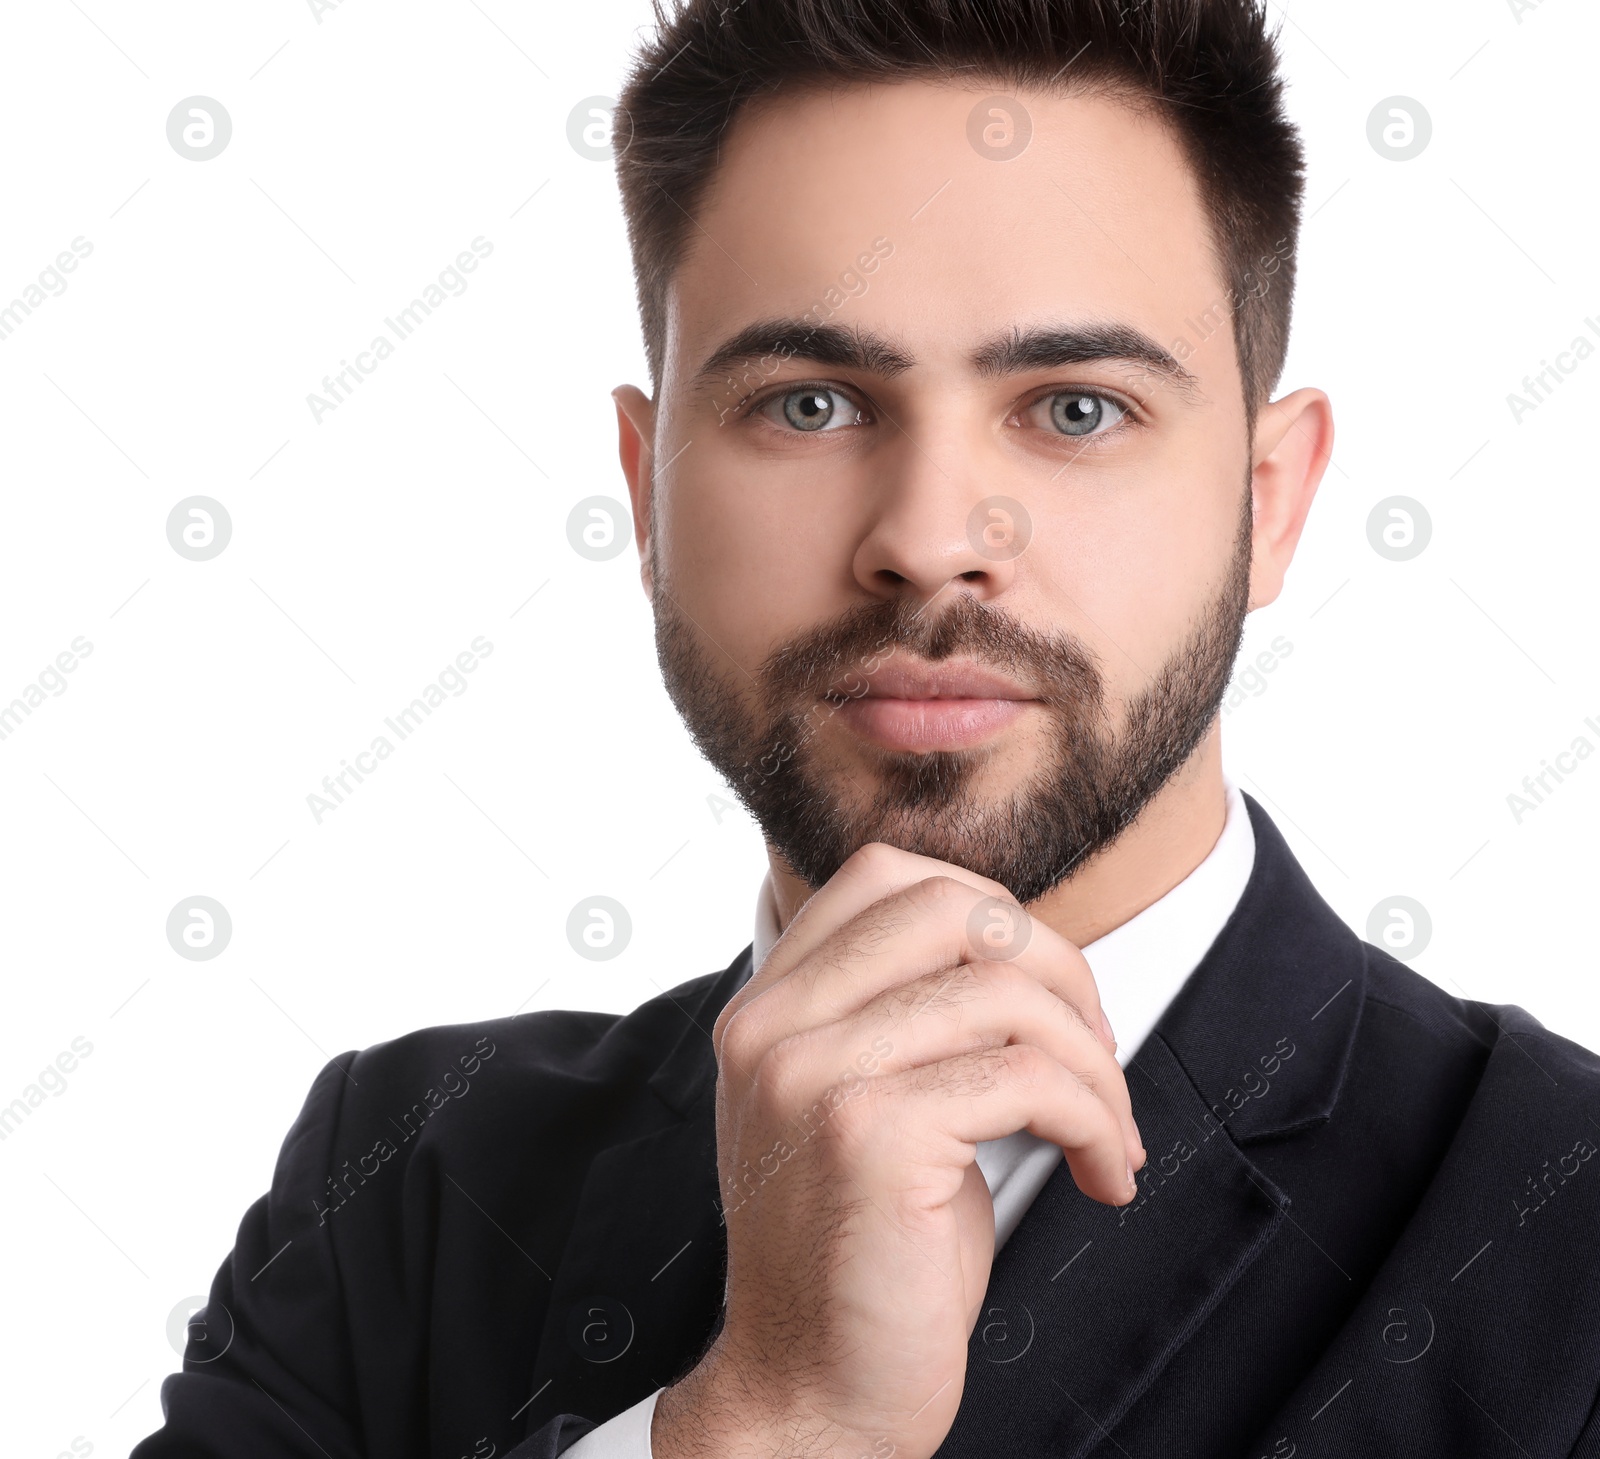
{"x":814,"y":408}
{"x":808,"y":409}
{"x":1078,"y":414}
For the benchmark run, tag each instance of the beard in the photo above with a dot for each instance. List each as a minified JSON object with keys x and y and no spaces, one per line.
{"x":1092,"y":780}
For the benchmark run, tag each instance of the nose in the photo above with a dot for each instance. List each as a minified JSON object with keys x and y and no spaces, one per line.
{"x":932,"y":528}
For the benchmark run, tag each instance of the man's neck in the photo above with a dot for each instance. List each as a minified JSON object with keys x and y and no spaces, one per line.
{"x":1171,"y":836}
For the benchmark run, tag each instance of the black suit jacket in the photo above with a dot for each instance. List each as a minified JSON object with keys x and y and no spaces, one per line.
{"x":1368,"y":1225}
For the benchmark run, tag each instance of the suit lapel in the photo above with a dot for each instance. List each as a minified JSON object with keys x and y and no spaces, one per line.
{"x":1088,"y":1303}
{"x":638,"y":1292}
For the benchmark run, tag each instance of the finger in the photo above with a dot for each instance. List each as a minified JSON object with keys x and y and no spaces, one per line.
{"x":936,"y":1115}
{"x":871,"y":873}
{"x":962,"y":1010}
{"x":928,"y":927}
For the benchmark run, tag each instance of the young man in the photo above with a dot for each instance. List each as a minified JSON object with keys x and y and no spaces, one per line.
{"x":1051,"y":1110}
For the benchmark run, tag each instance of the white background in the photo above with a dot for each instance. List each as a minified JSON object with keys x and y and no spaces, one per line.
{"x":371,"y":147}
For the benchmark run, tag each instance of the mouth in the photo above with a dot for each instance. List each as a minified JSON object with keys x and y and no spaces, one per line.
{"x":923,"y":707}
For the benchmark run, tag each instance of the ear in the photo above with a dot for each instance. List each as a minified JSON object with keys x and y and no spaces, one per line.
{"x":1293,"y":445}
{"x":636,"y":423}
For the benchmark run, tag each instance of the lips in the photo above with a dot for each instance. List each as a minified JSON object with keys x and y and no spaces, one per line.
{"x":951,"y":680}
{"x":956,"y":705}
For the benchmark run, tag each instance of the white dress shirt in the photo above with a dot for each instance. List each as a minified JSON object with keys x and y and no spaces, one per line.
{"x":1138,"y":968}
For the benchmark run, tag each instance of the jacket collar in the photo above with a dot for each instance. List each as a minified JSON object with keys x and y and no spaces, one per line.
{"x":1086,"y":1303}
{"x":688,"y":1071}
{"x":1284,"y":972}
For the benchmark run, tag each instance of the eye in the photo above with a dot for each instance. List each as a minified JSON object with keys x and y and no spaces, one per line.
{"x":1077,"y":413}
{"x":811,"y":408}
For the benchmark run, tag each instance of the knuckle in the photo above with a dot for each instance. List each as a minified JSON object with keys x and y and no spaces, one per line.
{"x":780,"y":1075}
{"x":950,"y":890}
{"x":1002,"y":980}
{"x":942,"y":896}
{"x":739,"y":1044}
{"x":1025,"y":1063}
{"x":874,"y":860}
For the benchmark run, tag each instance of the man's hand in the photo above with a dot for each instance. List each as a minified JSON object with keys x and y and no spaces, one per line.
{"x":857,"y":1071}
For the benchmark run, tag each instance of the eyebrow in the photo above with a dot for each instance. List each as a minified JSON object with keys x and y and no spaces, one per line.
{"x":1050,"y":346}
{"x":1019,"y":350}
{"x":820,"y":344}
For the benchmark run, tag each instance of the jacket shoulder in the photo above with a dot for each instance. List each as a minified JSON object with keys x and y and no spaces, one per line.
{"x":1497,"y":1028}
{"x":547,"y":1050}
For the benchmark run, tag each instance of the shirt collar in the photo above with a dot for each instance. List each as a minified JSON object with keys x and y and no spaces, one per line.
{"x":1140,"y":965}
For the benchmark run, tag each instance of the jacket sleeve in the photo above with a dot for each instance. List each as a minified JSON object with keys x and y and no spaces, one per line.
{"x":267,"y":1370}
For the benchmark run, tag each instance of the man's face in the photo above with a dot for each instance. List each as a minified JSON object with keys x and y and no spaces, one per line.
{"x":965,"y":467}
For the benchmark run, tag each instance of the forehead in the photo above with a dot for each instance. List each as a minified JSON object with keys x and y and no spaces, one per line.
{"x":1099,"y":216}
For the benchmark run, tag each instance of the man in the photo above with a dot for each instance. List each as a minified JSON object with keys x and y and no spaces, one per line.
{"x":1051,"y":1110}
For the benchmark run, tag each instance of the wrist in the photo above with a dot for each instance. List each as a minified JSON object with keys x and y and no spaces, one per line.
{"x":716,"y":1411}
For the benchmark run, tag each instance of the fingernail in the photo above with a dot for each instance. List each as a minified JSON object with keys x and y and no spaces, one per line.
{"x":1105,"y":1023}
{"x":1133,"y":1185}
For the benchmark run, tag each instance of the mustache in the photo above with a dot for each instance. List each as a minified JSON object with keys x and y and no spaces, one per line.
{"x":865,"y":636}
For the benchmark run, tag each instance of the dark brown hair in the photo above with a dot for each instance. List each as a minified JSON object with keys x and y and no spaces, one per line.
{"x":1208,"y":68}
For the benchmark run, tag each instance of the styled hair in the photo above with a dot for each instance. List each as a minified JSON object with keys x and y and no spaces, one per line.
{"x":1207,"y":68}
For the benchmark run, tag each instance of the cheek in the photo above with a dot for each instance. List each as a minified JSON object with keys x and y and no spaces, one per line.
{"x":1129,"y":570}
{"x":745,"y":555}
